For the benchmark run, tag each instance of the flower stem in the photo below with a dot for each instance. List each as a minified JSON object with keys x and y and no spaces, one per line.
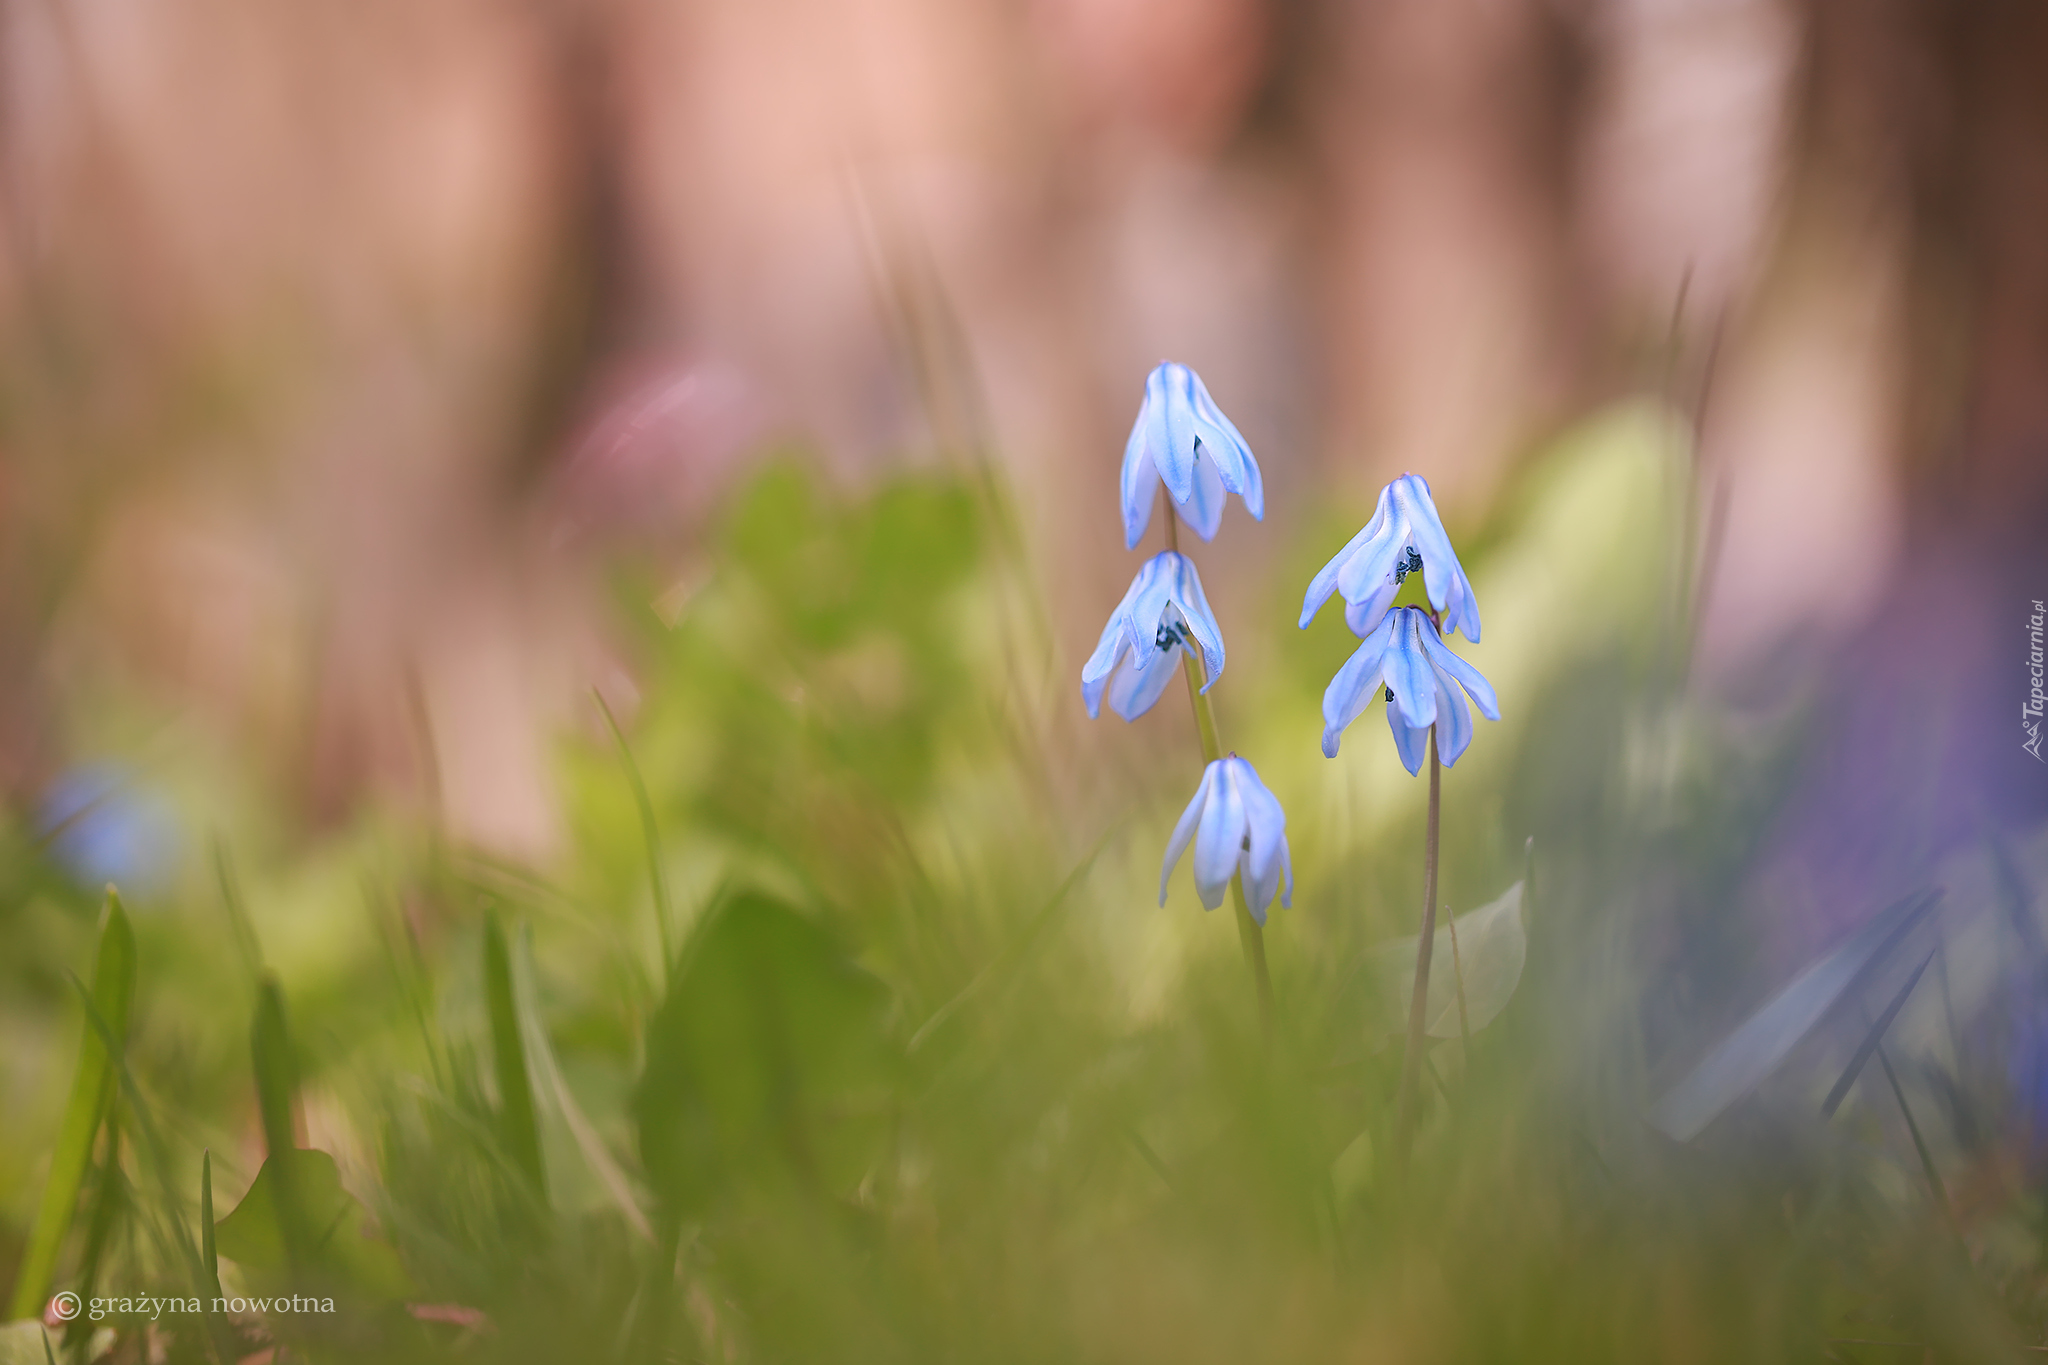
{"x":1418,"y":1007}
{"x":1250,"y":937}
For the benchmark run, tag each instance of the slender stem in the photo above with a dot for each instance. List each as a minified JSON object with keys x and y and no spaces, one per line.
{"x":1418,"y":1006}
{"x":1458,"y":975}
{"x":1250,"y":936}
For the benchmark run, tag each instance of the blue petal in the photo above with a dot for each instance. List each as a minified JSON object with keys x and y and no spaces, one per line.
{"x":1325,"y":582}
{"x":1373,"y":564}
{"x":1409,"y":740}
{"x":1201,"y":621}
{"x":1230,"y":449}
{"x":1166,"y":397}
{"x":1140,"y":479}
{"x":1442,"y":660}
{"x":1440,"y":567}
{"x":1204,"y":511}
{"x":1185,"y":829}
{"x":1356,"y":683}
{"x":1095,"y":673}
{"x":1259,"y":888}
{"x":1407,"y":667}
{"x":1453,"y":722}
{"x":1219,"y":838}
{"x":1267,"y":822}
{"x":1365,"y":614}
{"x":1137,"y":687}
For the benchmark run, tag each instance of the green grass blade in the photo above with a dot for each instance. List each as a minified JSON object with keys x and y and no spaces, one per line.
{"x":91,"y":1089}
{"x":209,"y":1257}
{"x":270,"y":1047}
{"x":1873,"y":1036}
{"x":519,"y":1131}
{"x":652,"y":836}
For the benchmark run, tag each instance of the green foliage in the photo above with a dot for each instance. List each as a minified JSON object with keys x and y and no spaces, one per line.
{"x":92,"y":1088}
{"x":320,"y":1232}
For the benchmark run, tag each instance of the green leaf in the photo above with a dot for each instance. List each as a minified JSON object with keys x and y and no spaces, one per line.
{"x":1492,"y":947}
{"x":766,"y":1062}
{"x":113,"y":991}
{"x":517,"y":1128}
{"x":339,"y":1247}
{"x":1753,"y":1051}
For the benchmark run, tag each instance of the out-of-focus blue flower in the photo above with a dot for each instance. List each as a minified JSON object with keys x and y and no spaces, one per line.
{"x":1183,"y":438}
{"x":1237,"y":827}
{"x":1405,"y":535}
{"x":102,"y":828}
{"x":1405,"y":657}
{"x":1162,"y":616}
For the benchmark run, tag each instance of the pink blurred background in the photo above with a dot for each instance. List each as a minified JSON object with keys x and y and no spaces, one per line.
{"x":338,"y":345}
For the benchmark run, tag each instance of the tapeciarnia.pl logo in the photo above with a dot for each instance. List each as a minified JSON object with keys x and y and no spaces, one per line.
{"x":2030,"y":713}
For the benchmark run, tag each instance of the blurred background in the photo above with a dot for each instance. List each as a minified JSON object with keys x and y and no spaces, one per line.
{"x":378,"y":382}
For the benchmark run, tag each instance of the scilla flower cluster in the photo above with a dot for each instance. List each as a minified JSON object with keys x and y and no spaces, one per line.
{"x":1184,"y":453}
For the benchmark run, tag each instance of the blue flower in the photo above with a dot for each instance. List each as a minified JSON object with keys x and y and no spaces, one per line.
{"x":1162,"y":616}
{"x":1405,"y":657}
{"x":1238,"y":828}
{"x":1405,"y":535}
{"x":103,"y":827}
{"x":1182,"y":437}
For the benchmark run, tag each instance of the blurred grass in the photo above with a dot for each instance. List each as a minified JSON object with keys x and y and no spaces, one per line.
{"x":918,"y":1071}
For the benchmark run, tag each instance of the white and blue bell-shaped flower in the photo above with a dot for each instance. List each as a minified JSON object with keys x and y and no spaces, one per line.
{"x":1183,"y":439}
{"x":1404,"y":536}
{"x":1238,"y":828}
{"x":1163,"y":616}
{"x":1406,"y":657}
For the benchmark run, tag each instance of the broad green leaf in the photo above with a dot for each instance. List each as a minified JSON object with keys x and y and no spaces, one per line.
{"x":1492,"y":947}
{"x":92,"y":1085}
{"x":338,"y":1246}
{"x":1753,"y":1051}
{"x":767,"y":1060}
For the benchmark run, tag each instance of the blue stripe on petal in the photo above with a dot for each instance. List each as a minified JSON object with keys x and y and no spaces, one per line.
{"x":1167,"y":393}
{"x":1325,"y":582}
{"x":1453,"y":722}
{"x":1410,"y":741}
{"x":1203,"y":512}
{"x":1139,"y":481}
{"x":1134,"y":690}
{"x":1441,"y":658}
{"x":1355,"y":685}
{"x":1408,"y":673}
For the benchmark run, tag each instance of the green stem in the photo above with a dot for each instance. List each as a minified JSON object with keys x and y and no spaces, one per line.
{"x":1418,"y":1006}
{"x":1250,"y":936}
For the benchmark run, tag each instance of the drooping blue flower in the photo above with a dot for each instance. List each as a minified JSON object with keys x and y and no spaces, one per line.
{"x":1237,"y":827}
{"x":1405,"y":535}
{"x":1183,"y":438}
{"x":1163,"y":616}
{"x":1406,"y":658}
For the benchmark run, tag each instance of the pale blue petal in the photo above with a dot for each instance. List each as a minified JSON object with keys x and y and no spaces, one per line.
{"x":1441,"y":658}
{"x":1325,"y":582}
{"x":1410,"y":741}
{"x":1441,"y":572}
{"x":1204,"y":511}
{"x":1365,"y":615}
{"x":1140,"y":481}
{"x":1166,"y":393}
{"x":1453,"y":722}
{"x":1232,"y":451}
{"x":1201,"y":621}
{"x":1372,"y":567}
{"x":1134,"y":690}
{"x":1219,"y":839}
{"x":1266,"y":821}
{"x":1185,"y":829}
{"x":1355,"y":685}
{"x":1407,"y":667}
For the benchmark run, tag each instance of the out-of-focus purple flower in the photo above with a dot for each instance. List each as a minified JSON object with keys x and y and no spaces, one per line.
{"x":1404,"y":536}
{"x":1182,"y":438}
{"x":102,"y":828}
{"x":1162,"y":616}
{"x":1238,"y":828}
{"x":1406,"y":658}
